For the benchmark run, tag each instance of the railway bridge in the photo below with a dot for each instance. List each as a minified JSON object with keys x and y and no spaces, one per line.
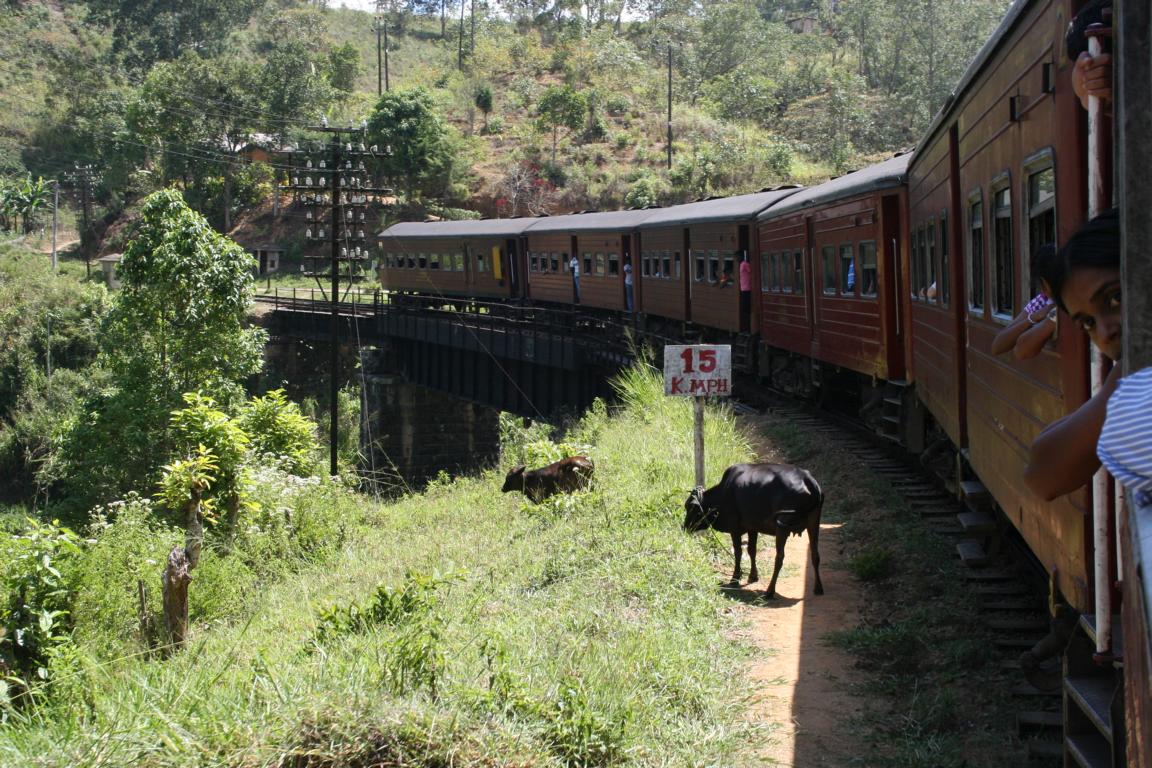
{"x":529,"y":360}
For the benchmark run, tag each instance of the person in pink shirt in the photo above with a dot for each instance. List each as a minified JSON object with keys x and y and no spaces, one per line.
{"x":745,"y":295}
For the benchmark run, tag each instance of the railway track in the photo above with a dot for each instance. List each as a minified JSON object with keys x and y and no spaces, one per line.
{"x":1004,"y":579}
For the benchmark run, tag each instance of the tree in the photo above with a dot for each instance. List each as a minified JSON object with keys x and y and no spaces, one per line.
{"x":178,"y":325}
{"x":420,"y":153}
{"x":561,"y":107}
{"x":344,"y":68}
{"x":147,"y":31}
{"x":483,"y":101}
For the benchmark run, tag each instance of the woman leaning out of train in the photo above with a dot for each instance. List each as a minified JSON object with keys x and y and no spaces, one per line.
{"x":1084,"y":279}
{"x":1027,"y":334}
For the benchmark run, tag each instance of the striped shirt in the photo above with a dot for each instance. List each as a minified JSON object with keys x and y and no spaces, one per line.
{"x":1125,"y":446}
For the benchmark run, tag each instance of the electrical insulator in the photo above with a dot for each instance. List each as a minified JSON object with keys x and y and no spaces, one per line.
{"x":361,"y":144}
{"x":308,"y":180}
{"x":321,"y":234}
{"x":375,"y":149}
{"x":309,"y":165}
{"x":361,"y":216}
{"x":308,"y":233}
{"x":323,"y":163}
{"x":344,"y":253}
{"x":347,"y":164}
{"x":296,"y":181}
{"x":360,"y":234}
{"x":308,"y":216}
{"x":360,"y":166}
{"x":348,"y":215}
{"x":348,"y":147}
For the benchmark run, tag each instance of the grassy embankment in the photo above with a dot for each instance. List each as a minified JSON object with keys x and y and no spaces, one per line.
{"x":455,"y":627}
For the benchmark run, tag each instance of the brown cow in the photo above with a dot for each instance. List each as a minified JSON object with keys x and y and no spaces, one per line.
{"x":565,"y":476}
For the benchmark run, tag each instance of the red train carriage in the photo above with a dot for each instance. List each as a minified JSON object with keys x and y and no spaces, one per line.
{"x":602,"y":242}
{"x":477,"y":258}
{"x":999,"y":175}
{"x":829,"y":275}
{"x":687,"y":250}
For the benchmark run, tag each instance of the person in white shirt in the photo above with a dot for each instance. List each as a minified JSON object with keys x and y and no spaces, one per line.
{"x":574,"y":267}
{"x":628,"y":285}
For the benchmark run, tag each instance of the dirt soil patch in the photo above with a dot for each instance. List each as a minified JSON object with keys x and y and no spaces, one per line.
{"x":799,"y":684}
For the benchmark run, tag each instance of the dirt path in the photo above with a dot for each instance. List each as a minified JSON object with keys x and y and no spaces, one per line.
{"x":799,"y":683}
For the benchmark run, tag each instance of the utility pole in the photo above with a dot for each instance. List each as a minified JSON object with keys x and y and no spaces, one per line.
{"x":336,"y":182}
{"x":55,"y":209}
{"x":669,"y":105}
{"x":460,"y":41}
{"x":85,"y":179}
{"x":381,"y":26}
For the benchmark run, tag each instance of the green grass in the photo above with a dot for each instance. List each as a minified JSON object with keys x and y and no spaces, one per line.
{"x":584,"y":631}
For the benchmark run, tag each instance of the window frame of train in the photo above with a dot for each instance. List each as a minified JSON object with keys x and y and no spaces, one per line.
{"x":434,"y":261}
{"x":588,"y":262}
{"x":481,"y":262}
{"x":977,"y":304}
{"x":1003,"y":253}
{"x":1036,"y":165}
{"x":676,"y":255}
{"x":944,"y":291}
{"x":728,"y":265}
{"x":863,"y":247}
{"x":933,"y":276}
{"x":713,"y":266}
{"x":828,"y":269}
{"x":601,"y":264}
{"x":842,"y":279}
{"x":766,"y":271}
{"x":798,"y":272}
{"x":700,"y":259}
{"x":613,"y":264}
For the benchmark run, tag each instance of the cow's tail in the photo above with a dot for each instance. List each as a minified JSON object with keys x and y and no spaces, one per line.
{"x":818,"y":492}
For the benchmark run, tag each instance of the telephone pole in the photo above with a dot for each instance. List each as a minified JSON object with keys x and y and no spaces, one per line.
{"x":381,"y":26}
{"x":669,"y":105}
{"x":85,"y":179}
{"x":332,"y":177}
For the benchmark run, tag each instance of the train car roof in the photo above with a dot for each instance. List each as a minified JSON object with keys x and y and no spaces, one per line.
{"x":591,"y":222}
{"x":459,"y":229}
{"x":739,"y":207}
{"x":890,"y":173}
{"x":990,"y":47}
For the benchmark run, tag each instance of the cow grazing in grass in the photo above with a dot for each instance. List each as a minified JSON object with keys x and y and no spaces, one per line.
{"x":565,"y":476}
{"x":776,"y":499}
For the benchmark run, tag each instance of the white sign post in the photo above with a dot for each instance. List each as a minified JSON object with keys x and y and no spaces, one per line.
{"x":698,"y":371}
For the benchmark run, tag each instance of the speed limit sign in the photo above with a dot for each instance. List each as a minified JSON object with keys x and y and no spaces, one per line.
{"x":698,"y":370}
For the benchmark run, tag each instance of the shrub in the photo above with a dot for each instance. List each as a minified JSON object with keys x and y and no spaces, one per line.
{"x":275,"y":425}
{"x":34,"y":617}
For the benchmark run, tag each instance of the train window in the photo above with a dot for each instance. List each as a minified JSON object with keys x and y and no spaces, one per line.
{"x":701,"y":268}
{"x":729,"y":260}
{"x":533,"y":261}
{"x":481,"y":263}
{"x":600,"y":262}
{"x":555,"y":262}
{"x":915,"y":266}
{"x":868,"y":268}
{"x":666,"y":271}
{"x":766,"y":271}
{"x":798,"y":272}
{"x":422,"y":259}
{"x":1041,"y":215}
{"x":587,"y":264}
{"x":433,"y":261}
{"x":976,"y":255}
{"x":828,"y":256}
{"x":933,"y":289}
{"x":411,"y":261}
{"x":786,"y":276}
{"x":1003,"y":274}
{"x":645,"y":264}
{"x":713,"y":266}
{"x":613,"y":264}
{"x":847,"y":269}
{"x":945,"y":269}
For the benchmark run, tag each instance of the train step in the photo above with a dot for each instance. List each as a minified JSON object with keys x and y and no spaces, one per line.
{"x":1088,"y":750}
{"x":977,"y":522}
{"x":1092,"y":695}
{"x":975,"y":491}
{"x":1088,"y":622}
{"x":972,"y":553}
{"x":933,"y":511}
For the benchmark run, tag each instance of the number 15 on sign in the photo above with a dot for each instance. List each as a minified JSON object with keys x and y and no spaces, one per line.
{"x":698,"y":370}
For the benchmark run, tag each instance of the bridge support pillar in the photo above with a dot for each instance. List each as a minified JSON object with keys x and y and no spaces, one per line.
{"x":410,"y":433}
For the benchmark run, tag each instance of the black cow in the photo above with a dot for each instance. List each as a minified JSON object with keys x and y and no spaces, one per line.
{"x":564,"y":476}
{"x":776,"y":499}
